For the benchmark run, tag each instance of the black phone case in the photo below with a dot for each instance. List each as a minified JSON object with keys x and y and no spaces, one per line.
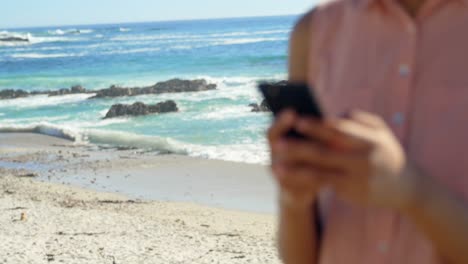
{"x":297,"y":97}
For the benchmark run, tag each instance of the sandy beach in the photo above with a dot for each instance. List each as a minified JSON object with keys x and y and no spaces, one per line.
{"x":68,"y":203}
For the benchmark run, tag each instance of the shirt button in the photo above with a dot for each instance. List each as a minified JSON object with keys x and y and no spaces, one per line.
{"x":383,"y":247}
{"x":404,"y":70}
{"x":398,"y":118}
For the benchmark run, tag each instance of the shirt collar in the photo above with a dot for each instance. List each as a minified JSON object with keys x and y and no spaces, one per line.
{"x":366,"y":3}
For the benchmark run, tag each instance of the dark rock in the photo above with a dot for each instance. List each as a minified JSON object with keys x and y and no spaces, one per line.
{"x":164,"y":107}
{"x":12,"y":94}
{"x":14,"y":39}
{"x":138,"y":109}
{"x":40,"y":92}
{"x":178,"y":86}
{"x":78,"y":89}
{"x":263,"y":107}
{"x":63,"y":91}
{"x":74,"y":90}
{"x":171,"y":86}
{"x":113,"y":91}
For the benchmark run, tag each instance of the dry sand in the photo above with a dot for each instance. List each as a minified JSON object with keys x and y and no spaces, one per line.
{"x":43,"y":221}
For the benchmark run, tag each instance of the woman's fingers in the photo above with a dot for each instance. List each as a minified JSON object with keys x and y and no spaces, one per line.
{"x":283,"y":123}
{"x":332,"y":133}
{"x":316,"y":130}
{"x":310,"y":153}
{"x":367,"y":119}
{"x":302,"y":177}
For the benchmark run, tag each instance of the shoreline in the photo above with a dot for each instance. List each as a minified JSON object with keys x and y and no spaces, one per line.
{"x":140,"y":174}
{"x":61,"y":202}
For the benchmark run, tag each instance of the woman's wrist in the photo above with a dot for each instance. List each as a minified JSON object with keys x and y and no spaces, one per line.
{"x":295,"y":202}
{"x":417,"y":190}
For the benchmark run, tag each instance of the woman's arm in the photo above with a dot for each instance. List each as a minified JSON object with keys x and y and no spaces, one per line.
{"x":441,"y":217}
{"x":299,"y":50}
{"x":297,"y":233}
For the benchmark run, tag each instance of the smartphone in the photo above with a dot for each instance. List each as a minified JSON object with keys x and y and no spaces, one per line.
{"x":295,"y":96}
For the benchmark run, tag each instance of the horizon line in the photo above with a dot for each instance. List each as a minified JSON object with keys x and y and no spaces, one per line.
{"x":153,"y":21}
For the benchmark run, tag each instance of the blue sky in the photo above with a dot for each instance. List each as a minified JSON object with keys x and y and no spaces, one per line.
{"x":22,"y":13}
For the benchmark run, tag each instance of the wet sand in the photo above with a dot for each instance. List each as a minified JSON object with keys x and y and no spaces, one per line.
{"x":83,"y":204}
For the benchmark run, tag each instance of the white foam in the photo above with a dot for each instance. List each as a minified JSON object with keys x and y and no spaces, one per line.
{"x":224,"y":113}
{"x":199,"y":41}
{"x":241,"y":80}
{"x":132,"y":51}
{"x":32,"y":39}
{"x":249,"y":152}
{"x":56,"y":32}
{"x":99,"y":137}
{"x":199,"y":37}
{"x":45,"y":129}
{"x":181,"y":47}
{"x":124,"y":29}
{"x":69,"y":31}
{"x":29,"y":48}
{"x":103,"y":113}
{"x":245,"y":152}
{"x":101,"y":123}
{"x":86,"y":31}
{"x":125,"y":139}
{"x":245,"y":41}
{"x":43,"y":100}
{"x":45,"y":56}
{"x":276,"y":31}
{"x":106,"y":122}
{"x":246,"y":33}
{"x":47,"y":48}
{"x":147,"y":37}
{"x":31,"y":120}
{"x":254,"y":153}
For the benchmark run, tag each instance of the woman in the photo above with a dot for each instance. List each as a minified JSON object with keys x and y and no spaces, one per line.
{"x":389,"y":168}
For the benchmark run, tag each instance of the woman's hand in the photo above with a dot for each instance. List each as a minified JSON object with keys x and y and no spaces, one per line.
{"x":297,"y":181}
{"x":359,"y":157}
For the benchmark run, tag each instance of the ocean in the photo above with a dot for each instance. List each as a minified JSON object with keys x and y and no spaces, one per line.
{"x":233,"y":53}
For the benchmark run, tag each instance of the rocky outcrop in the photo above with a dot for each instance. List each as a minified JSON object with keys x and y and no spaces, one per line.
{"x":139,"y":108}
{"x":14,"y":39}
{"x":113,"y":91}
{"x":11,"y":94}
{"x":171,"y":86}
{"x":179,"y":86}
{"x":263,"y":107}
{"x":77,"y":89}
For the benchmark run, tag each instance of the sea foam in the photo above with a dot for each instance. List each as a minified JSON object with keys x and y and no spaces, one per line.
{"x":43,"y":100}
{"x":247,"y":152}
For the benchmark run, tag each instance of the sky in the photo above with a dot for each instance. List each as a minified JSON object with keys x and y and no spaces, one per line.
{"x":28,"y":13}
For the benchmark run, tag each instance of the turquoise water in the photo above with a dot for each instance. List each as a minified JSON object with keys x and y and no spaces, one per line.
{"x":233,"y":53}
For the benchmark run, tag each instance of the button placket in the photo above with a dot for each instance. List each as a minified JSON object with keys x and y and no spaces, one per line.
{"x":405,"y":77}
